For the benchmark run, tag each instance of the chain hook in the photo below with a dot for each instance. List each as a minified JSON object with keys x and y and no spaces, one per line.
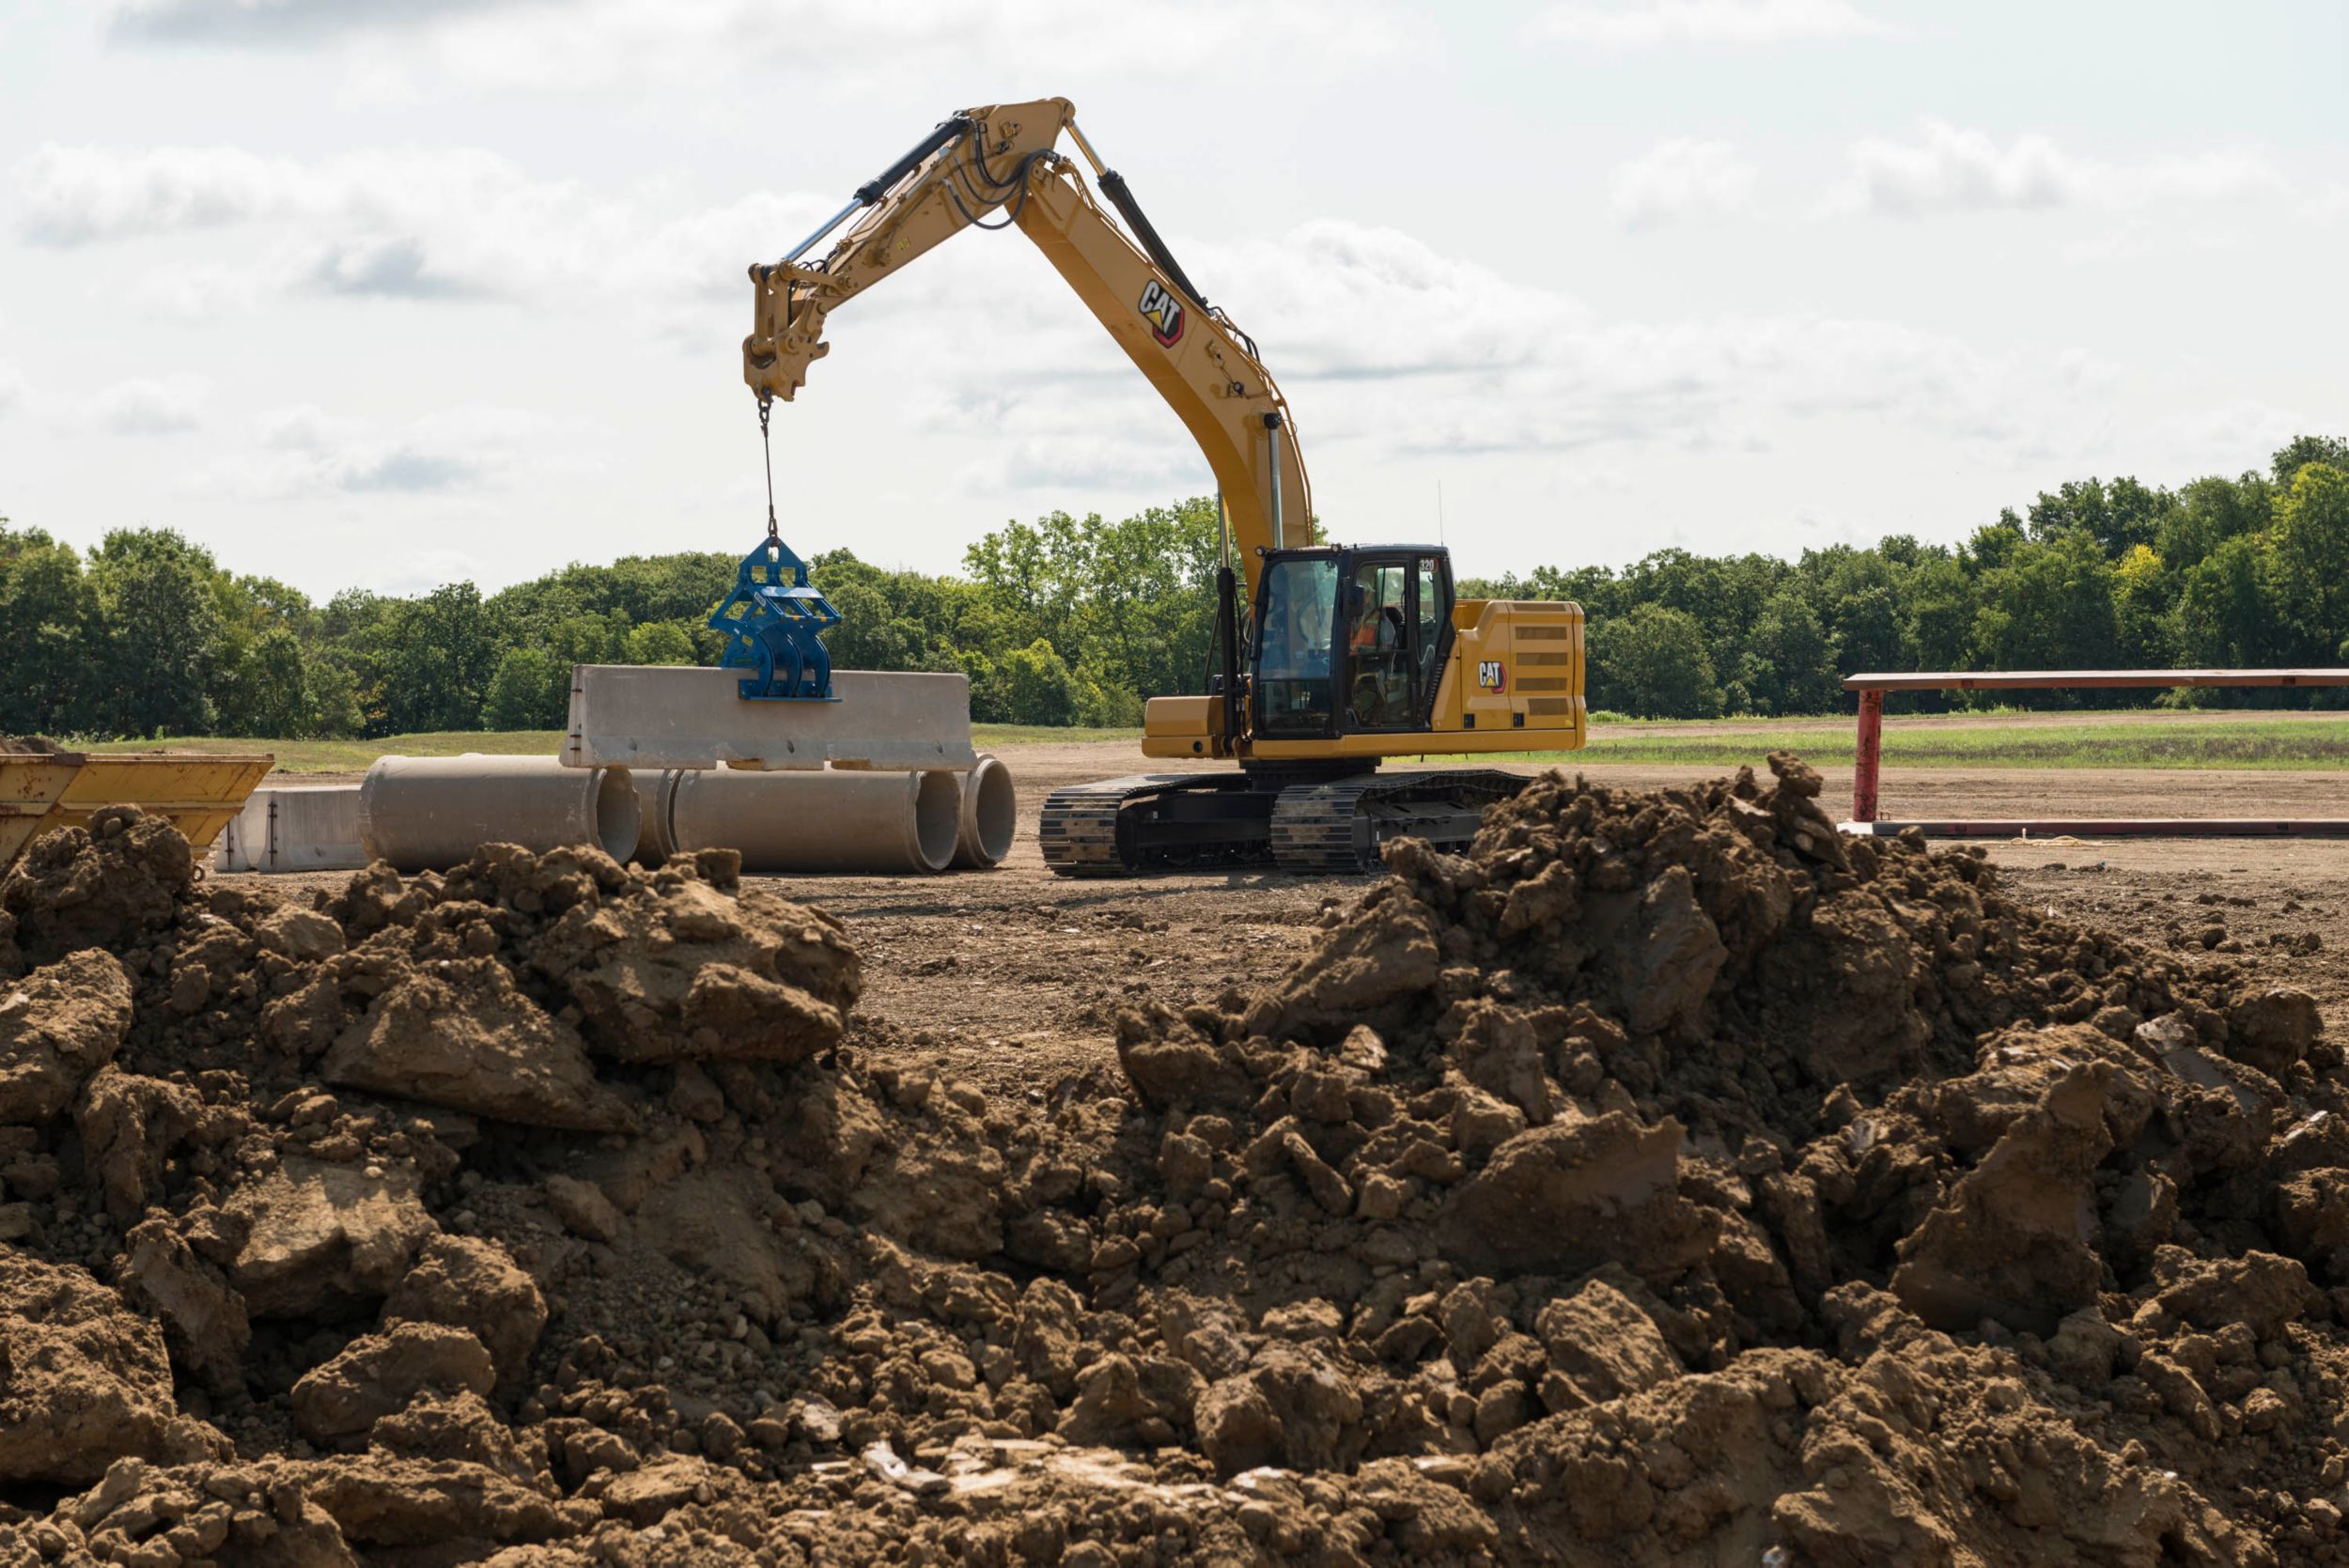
{"x":766,"y":448}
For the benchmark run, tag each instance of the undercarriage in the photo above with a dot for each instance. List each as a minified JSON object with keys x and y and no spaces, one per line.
{"x":1316,"y":818}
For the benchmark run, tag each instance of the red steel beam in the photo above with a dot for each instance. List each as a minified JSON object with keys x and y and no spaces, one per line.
{"x":1867,"y":757}
{"x":2010,"y":680}
{"x":1867,"y":753}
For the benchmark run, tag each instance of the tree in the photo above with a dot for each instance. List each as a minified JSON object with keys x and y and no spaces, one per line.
{"x":659,"y":642}
{"x":1036,"y":686}
{"x":2119,"y":515}
{"x":2221,"y":617}
{"x":1789,"y":660}
{"x":2209,"y":511}
{"x":524,"y":692}
{"x":164,"y":632}
{"x":336,"y":712}
{"x":2311,"y":559}
{"x":2142,"y":590}
{"x":1938,"y":614}
{"x":50,"y":629}
{"x":1652,"y":663}
{"x":435,"y":659}
{"x":269,"y":692}
{"x":2300,"y":451}
{"x":2048,"y":607}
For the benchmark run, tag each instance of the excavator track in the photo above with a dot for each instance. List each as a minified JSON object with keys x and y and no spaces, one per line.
{"x":1175,"y":821}
{"x":1340,"y":827}
{"x":1084,"y":832}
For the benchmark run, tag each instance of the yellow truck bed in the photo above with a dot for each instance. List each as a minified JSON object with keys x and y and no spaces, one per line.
{"x":43,"y":791}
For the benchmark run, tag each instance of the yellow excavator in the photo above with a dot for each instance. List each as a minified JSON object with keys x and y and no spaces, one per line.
{"x":1327,"y":658}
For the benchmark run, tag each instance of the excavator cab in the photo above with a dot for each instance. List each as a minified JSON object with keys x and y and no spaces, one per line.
{"x":1350,"y":640}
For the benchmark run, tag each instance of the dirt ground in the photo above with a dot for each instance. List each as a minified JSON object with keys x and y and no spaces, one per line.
{"x":1669,"y":1178}
{"x":1009,"y":978}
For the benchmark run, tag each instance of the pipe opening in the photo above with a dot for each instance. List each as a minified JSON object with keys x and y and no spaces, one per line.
{"x":990,"y":811}
{"x":619,"y":814}
{"x":936,"y":817}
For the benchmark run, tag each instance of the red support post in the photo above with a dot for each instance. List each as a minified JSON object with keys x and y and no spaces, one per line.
{"x":1867,"y":757}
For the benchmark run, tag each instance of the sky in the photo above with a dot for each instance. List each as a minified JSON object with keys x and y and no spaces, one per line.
{"x":388,"y":293}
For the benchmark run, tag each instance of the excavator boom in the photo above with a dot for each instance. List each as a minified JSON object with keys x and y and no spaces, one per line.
{"x":1001,"y":164}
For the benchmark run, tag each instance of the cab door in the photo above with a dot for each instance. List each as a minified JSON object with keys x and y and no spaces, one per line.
{"x":1296,"y":684}
{"x":1394,"y":634}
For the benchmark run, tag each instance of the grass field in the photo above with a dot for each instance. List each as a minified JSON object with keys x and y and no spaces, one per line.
{"x":352,"y":756}
{"x":2316,"y":741}
{"x":2146,"y":738}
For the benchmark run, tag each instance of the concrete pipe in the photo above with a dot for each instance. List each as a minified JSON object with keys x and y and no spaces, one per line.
{"x":656,"y":793}
{"x":430,"y":814}
{"x":990,"y":811}
{"x":835,"y":819}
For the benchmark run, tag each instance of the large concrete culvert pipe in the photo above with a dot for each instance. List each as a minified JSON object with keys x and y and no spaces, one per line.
{"x":990,"y":814}
{"x":430,"y":814}
{"x":828,"y":819}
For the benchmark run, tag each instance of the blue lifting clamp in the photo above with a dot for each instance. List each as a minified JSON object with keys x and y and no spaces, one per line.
{"x":772,"y":620}
{"x":774,"y":616}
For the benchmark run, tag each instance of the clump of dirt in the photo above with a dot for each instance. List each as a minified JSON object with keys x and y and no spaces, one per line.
{"x":105,"y":885}
{"x":1668,"y":1178}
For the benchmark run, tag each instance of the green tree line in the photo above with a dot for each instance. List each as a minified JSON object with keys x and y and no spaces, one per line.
{"x":2247,"y":572}
{"x":1060,"y":621}
{"x":1077,"y":621}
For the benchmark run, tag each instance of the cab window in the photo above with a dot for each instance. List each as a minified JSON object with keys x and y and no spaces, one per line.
{"x":1379,"y":639}
{"x":1297,"y":647}
{"x":1434,"y":616}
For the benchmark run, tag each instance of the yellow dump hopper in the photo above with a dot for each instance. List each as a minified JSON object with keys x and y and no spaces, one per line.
{"x":43,"y":791}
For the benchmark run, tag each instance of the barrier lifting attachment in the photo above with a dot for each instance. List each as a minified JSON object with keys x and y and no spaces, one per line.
{"x":772,"y":620}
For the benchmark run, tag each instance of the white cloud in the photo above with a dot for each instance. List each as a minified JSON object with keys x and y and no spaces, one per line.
{"x":1390,"y":349}
{"x":71,"y":195}
{"x":407,"y":223}
{"x":1683,"y":178}
{"x":144,"y":407}
{"x":1340,"y":300}
{"x":1704,"y":24}
{"x":269,"y":23}
{"x":77,"y":196}
{"x":304,"y":451}
{"x":1953,"y":168}
{"x":809,"y":49}
{"x":12,"y":390}
{"x":2326,"y":207}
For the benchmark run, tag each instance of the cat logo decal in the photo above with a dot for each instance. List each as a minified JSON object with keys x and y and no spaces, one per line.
{"x":1490,"y":677}
{"x":1164,"y":312}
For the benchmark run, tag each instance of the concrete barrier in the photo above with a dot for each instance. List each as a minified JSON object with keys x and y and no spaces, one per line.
{"x":989,"y":817}
{"x":428,"y":813}
{"x":678,"y":716}
{"x":294,"y":828}
{"x":837,"y":821}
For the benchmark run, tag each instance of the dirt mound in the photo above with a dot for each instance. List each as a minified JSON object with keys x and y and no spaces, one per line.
{"x":1669,"y":1178}
{"x":105,"y":885}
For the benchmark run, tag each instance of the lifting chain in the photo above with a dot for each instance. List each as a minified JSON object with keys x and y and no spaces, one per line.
{"x":767,"y":447}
